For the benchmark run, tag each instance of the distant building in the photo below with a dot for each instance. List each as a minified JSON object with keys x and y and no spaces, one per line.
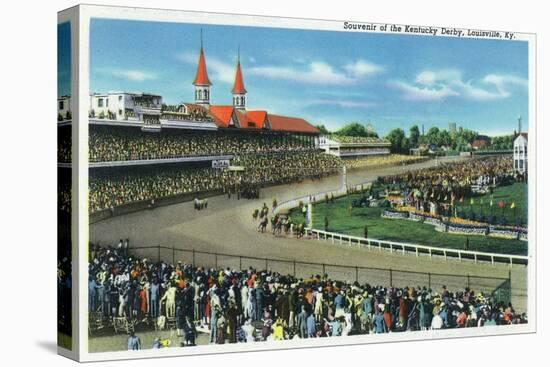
{"x":148,"y":112}
{"x":481,"y":141}
{"x":452,"y":127}
{"x":353,"y":146}
{"x":126,"y":106}
{"x":64,"y":108}
{"x":520,"y":153}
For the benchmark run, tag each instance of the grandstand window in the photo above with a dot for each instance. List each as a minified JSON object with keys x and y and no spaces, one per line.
{"x":60,"y":105}
{"x":100,"y":102}
{"x":120,"y":98}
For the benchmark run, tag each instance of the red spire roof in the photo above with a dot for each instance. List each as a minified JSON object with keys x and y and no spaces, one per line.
{"x":238,"y":85}
{"x":201,"y":78}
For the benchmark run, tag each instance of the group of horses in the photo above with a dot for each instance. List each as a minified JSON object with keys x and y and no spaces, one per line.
{"x":279,"y":223}
{"x":200,"y":204}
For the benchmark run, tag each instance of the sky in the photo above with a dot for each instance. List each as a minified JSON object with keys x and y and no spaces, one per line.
{"x":327,"y":77}
{"x":63,"y":59}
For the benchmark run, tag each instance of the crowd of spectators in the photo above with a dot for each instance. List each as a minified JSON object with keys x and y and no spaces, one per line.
{"x":357,"y":139}
{"x":122,"y":144}
{"x":438,"y":188}
{"x":148,"y":183}
{"x":381,"y":160}
{"x":64,"y":145}
{"x":453,"y":180}
{"x":248,"y":305}
{"x":363,"y":151}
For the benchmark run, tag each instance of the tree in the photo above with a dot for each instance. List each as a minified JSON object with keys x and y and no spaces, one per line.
{"x":445,"y":138}
{"x":322,"y":129}
{"x":397,"y":138}
{"x":433,"y":136}
{"x":414,"y":135}
{"x":355,"y":129}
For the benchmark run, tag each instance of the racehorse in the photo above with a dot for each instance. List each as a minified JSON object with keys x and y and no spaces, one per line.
{"x":263,"y":224}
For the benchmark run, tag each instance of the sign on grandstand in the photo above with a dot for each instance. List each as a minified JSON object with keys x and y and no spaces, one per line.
{"x":220,"y":163}
{"x":236,"y":168}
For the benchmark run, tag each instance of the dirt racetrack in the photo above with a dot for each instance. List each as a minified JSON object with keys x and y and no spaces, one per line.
{"x":227,"y":227}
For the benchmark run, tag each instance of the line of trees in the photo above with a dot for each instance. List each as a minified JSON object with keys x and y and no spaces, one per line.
{"x":460,"y":140}
{"x":351,"y":129}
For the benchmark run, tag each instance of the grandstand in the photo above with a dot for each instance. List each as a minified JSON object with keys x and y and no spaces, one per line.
{"x":142,"y":149}
{"x":111,"y":188}
{"x":354,"y":146}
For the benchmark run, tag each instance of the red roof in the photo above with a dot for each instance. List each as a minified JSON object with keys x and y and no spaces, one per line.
{"x":291,"y":124}
{"x":479,"y":143}
{"x":258,"y":117}
{"x":238,"y":85}
{"x":251,"y":119}
{"x":222,"y":114}
{"x":201,"y":78}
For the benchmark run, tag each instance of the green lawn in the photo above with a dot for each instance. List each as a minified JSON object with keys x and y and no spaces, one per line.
{"x":516,"y":193}
{"x":400,"y":229}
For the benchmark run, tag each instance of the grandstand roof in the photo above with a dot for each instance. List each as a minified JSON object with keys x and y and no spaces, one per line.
{"x":258,"y":117}
{"x":251,"y":119}
{"x":291,"y":124}
{"x":201,"y":77}
{"x":238,"y":85}
{"x":222,"y":114}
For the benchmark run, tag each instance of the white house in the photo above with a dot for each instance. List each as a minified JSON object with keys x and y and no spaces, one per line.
{"x":125,"y":106}
{"x":520,"y":153}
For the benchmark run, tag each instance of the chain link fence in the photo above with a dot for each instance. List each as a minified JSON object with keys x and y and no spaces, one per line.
{"x":498,"y":286}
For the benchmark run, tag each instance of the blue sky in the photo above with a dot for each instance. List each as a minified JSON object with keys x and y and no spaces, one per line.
{"x":327,"y":77}
{"x":64,"y":59}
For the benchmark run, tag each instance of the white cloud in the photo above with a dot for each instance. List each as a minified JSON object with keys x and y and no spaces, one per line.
{"x":437,"y":85}
{"x":319,"y":72}
{"x":362,"y":68}
{"x":340,"y":102}
{"x":133,"y":75}
{"x":425,"y":92}
{"x":316,"y":73}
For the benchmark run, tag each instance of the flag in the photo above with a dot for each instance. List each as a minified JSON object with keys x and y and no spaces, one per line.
{"x":472,"y":201}
{"x":513,"y":205}
{"x":491,"y":203}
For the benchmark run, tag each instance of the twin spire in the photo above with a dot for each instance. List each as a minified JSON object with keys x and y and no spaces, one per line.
{"x":202,"y":83}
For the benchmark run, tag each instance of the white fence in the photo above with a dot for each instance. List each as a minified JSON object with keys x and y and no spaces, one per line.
{"x":371,"y":243}
{"x":391,"y":246}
